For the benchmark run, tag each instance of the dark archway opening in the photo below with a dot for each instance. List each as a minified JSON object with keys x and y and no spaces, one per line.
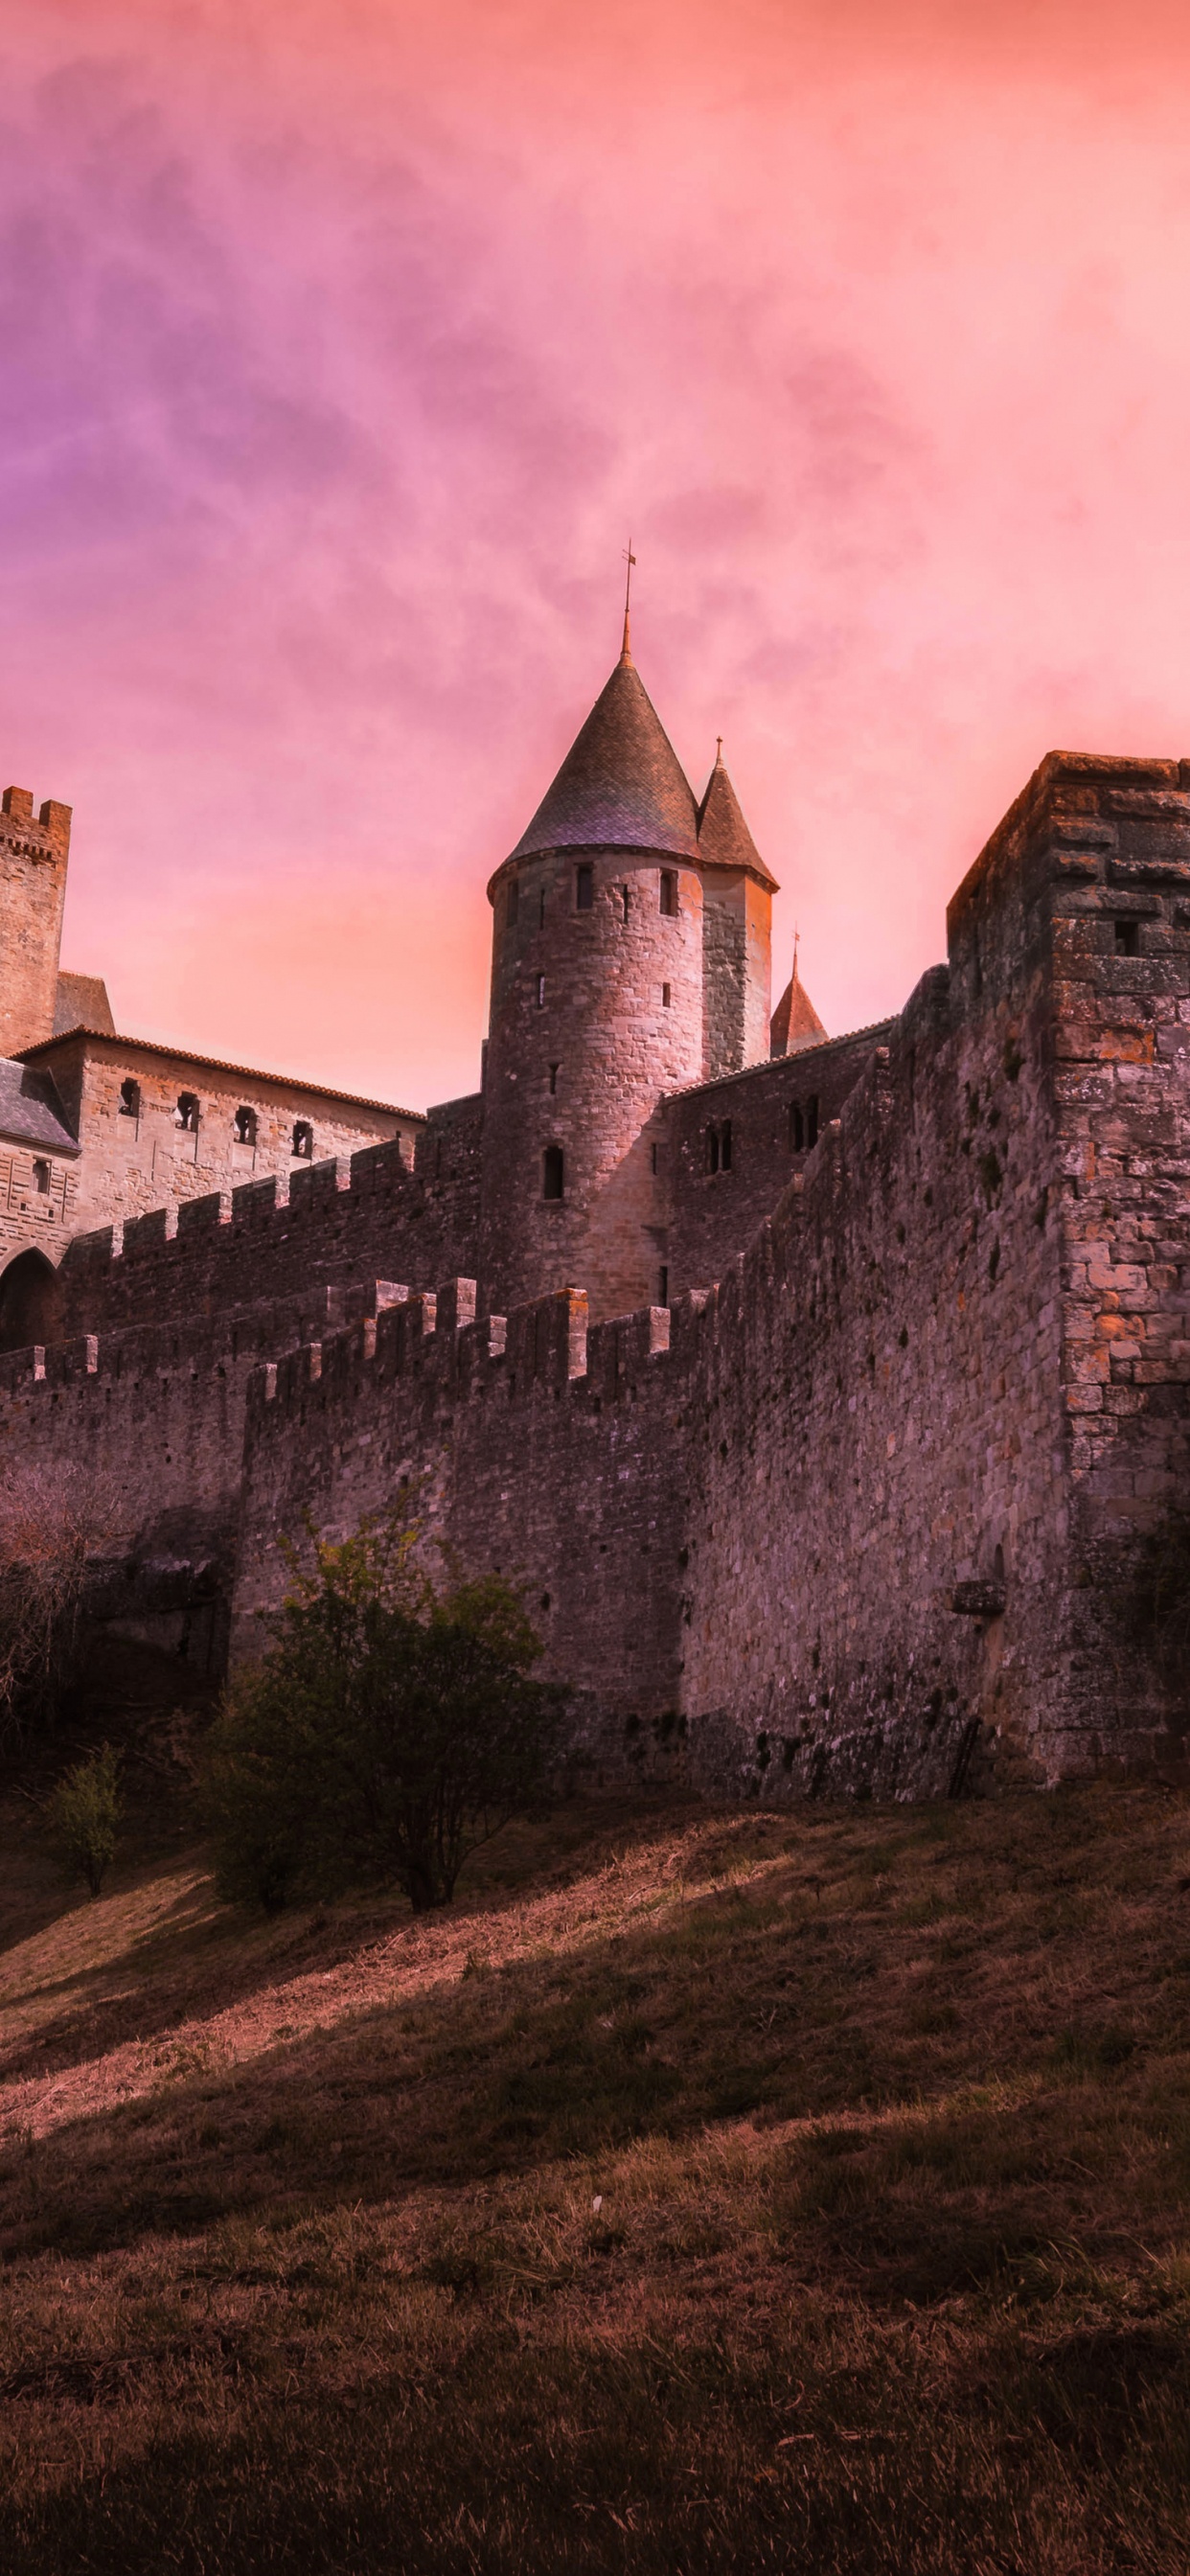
{"x":30,"y":1302}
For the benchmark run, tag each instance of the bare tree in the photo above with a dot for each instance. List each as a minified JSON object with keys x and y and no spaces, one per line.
{"x":50,"y":1529}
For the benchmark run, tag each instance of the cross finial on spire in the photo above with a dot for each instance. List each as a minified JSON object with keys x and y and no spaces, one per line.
{"x":796,"y":938}
{"x":718,"y":751}
{"x":630,"y":559}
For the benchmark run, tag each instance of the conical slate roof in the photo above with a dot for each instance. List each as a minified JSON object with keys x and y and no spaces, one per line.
{"x":621,"y":785}
{"x":795,"y":1023}
{"x":724,"y":840}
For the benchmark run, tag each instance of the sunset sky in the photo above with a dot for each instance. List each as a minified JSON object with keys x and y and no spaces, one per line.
{"x":345,"y":341}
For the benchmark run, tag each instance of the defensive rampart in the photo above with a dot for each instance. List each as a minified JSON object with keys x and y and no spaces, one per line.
{"x":877,"y":1506}
{"x":336,"y":1223}
{"x":873,"y":1509}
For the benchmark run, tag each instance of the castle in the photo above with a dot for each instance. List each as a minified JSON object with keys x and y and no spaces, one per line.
{"x":823,"y":1394}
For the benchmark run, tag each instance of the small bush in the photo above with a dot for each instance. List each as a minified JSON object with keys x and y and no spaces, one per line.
{"x":389,"y":1730}
{"x":83,"y":1815}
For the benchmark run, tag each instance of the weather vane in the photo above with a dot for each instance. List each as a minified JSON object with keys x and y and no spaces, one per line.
{"x":630,"y":559}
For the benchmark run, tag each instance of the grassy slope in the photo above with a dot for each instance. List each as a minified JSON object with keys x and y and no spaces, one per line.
{"x":709,"y":2191}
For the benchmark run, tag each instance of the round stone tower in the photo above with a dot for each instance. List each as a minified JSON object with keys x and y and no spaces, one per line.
{"x":597,"y":1012}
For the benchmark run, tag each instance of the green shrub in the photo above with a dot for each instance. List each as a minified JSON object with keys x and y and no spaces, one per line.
{"x":389,"y":1730}
{"x":83,"y":1814}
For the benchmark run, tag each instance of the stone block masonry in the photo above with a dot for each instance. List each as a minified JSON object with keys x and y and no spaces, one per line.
{"x":329,"y":1226}
{"x":865,"y":1519}
{"x":861,"y":1502}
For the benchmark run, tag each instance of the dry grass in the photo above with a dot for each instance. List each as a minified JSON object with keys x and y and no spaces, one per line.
{"x":708,"y":2191}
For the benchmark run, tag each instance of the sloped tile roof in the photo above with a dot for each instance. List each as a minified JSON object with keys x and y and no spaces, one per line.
{"x":182,"y":1058}
{"x":795,"y":1022}
{"x":30,"y":1111}
{"x":724,"y":840}
{"x":621,"y":785}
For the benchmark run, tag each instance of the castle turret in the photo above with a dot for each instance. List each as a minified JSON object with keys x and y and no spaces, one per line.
{"x":796,"y":1024}
{"x":597,"y":1011}
{"x":737,"y":932}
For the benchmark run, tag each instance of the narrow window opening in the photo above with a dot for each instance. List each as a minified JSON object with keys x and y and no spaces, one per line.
{"x":797,"y":1128}
{"x":244,"y":1123}
{"x":624,"y":900}
{"x":541,"y":992}
{"x":812,"y":1119}
{"x":541,"y":909}
{"x":303,"y":1141}
{"x":512,"y":912}
{"x":186,"y":1113}
{"x":1127,"y":938}
{"x":725,"y":1146}
{"x":666,"y":996}
{"x":669,"y":892}
{"x":130,"y":1099}
{"x":712,"y":1149}
{"x":584,"y":888}
{"x":41,"y":1179}
{"x":552,"y":1173}
{"x":663,"y":1300}
{"x":654,"y":1155}
{"x":998,"y":1565}
{"x":553,"y":1080}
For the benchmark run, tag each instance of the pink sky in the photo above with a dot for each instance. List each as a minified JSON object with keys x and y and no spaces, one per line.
{"x":345,"y":340}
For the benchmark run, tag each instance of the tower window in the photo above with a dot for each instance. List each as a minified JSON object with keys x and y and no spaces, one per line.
{"x":186,"y":1113}
{"x":553,"y":1080}
{"x":584,"y":888}
{"x":663,"y":1300}
{"x":552,"y":1173}
{"x":513,"y":906}
{"x":666,"y":996}
{"x":1127,"y":938}
{"x":812,"y":1119}
{"x":725,"y":1147}
{"x":130,"y":1099}
{"x":41,"y":1179}
{"x":541,"y":909}
{"x":624,"y":900}
{"x":669,"y":892}
{"x":244,"y":1126}
{"x":654,"y":1151}
{"x":303,"y":1140}
{"x":712,"y":1149}
{"x":541,"y":992}
{"x":797,"y":1128}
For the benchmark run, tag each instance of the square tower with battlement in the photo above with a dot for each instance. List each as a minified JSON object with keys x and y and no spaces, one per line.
{"x":34,"y":852}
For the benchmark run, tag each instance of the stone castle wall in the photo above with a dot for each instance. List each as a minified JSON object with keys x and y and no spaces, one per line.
{"x":712,"y":1213}
{"x":140,"y":1159}
{"x":863,"y":1515}
{"x":333,"y":1224}
{"x":896,"y":1470}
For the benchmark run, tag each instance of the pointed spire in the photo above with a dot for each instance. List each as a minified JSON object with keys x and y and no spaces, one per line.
{"x":621,"y":785}
{"x":626,"y":647}
{"x":795,"y":1022}
{"x":724,"y":840}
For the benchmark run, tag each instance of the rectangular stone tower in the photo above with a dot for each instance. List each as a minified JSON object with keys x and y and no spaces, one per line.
{"x":33,"y":862}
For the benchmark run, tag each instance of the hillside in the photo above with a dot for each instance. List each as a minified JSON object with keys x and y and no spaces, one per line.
{"x":708,"y":2190}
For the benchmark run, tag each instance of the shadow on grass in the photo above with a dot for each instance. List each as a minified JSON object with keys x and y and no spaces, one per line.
{"x":728,"y":2011}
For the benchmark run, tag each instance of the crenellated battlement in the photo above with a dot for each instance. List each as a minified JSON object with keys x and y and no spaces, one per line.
{"x":436,"y":1340}
{"x":326,"y":1225}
